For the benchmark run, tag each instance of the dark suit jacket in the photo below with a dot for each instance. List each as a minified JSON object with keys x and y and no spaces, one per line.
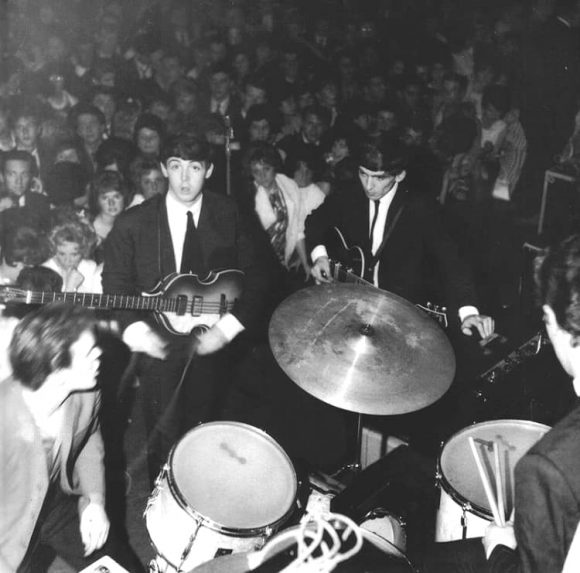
{"x":547,"y":481}
{"x":418,"y":239}
{"x":138,"y":252}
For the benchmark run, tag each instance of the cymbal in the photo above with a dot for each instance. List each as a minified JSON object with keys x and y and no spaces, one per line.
{"x":361,"y":349}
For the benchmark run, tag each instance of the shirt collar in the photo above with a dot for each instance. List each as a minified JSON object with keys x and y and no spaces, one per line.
{"x":177,"y":209}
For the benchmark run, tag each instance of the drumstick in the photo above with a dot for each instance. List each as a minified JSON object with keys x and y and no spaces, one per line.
{"x":485,"y":481}
{"x":498,"y":484}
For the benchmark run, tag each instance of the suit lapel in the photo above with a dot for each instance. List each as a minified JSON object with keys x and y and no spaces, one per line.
{"x":164,"y":244}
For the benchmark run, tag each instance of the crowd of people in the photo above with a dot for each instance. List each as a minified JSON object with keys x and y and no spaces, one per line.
{"x":144,"y":141}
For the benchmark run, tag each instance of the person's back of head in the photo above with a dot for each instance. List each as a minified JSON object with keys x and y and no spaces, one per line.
{"x":42,"y":340}
{"x":558,"y":284}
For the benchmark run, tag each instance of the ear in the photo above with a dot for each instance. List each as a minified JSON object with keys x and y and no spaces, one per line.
{"x":164,"y":170}
{"x":209,"y":171}
{"x":401,"y":176}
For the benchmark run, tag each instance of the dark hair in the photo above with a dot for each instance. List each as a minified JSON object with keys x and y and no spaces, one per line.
{"x":39,"y":278}
{"x":104,"y":182}
{"x":149,"y":121}
{"x":188,"y":147}
{"x":558,"y":283}
{"x":498,"y":96}
{"x":19,"y":155}
{"x":41,"y":341}
{"x":86,"y":109}
{"x":25,"y":244}
{"x":141,"y":165}
{"x":388,"y":154}
{"x":265,"y":153}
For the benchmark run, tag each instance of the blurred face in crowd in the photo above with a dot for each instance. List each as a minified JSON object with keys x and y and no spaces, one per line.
{"x":106,"y":103}
{"x":264,"y":175}
{"x":90,"y":129}
{"x":148,"y":141}
{"x":339,"y":149}
{"x":259,"y":130}
{"x":186,"y":103}
{"x":111,"y":203}
{"x":220,"y":86}
{"x":26,"y":132}
{"x":171,"y":69}
{"x":17,"y":176}
{"x":328,"y":95}
{"x":152,"y":183}
{"x":254,"y":95}
{"x":55,"y":49}
{"x":68,"y":255}
{"x":313,"y":128}
{"x":242,"y":65}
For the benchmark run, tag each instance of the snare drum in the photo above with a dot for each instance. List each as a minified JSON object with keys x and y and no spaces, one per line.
{"x":463,"y":508}
{"x":226,"y":488}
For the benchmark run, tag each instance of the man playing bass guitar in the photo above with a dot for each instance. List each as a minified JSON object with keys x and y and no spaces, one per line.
{"x":399,"y":233}
{"x":187,"y":230}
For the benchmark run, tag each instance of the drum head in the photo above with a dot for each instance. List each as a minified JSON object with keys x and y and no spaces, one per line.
{"x":234,"y":475}
{"x":459,"y":471}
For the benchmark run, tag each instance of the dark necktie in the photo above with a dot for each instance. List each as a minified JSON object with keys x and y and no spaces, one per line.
{"x":191,"y":259}
{"x":377,"y":203}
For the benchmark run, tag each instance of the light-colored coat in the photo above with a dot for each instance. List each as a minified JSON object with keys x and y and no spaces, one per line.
{"x":24,"y":473}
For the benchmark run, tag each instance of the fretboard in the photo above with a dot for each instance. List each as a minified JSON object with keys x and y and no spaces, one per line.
{"x":179,"y":305}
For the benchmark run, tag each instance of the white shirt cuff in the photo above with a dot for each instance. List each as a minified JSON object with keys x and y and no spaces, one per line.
{"x":317,"y":252}
{"x":466,"y":311}
{"x":230,"y":326}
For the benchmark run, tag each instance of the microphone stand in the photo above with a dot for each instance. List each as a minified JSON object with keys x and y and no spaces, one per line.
{"x":228,"y":150}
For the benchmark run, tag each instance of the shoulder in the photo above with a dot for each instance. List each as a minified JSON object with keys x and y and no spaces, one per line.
{"x":560,"y":447}
{"x":145,"y":211}
{"x":218,"y":201}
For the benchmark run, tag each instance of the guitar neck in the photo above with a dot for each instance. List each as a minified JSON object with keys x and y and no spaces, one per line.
{"x":178,"y":305}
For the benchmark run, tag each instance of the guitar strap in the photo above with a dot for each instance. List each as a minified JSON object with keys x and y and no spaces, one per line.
{"x":375,"y":258}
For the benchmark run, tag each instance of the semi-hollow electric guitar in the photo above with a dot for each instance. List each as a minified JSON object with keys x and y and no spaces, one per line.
{"x":348,"y":265}
{"x":181,"y":303}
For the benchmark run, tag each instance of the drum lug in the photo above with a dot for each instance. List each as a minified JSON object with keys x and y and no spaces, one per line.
{"x":465,"y":509}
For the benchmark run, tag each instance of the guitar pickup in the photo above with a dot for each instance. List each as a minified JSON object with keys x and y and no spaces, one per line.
{"x":180,"y":304}
{"x":197,"y":306}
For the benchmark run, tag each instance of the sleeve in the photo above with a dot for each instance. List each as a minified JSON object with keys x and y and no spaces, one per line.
{"x":546,"y":514}
{"x":119,"y":273}
{"x":89,"y":468}
{"x":459,"y":287}
{"x":320,"y":221}
{"x":254,"y":259}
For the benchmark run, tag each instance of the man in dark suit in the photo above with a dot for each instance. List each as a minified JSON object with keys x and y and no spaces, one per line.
{"x":19,"y":201}
{"x":399,"y":231}
{"x":189,"y":230}
{"x":547,"y":486}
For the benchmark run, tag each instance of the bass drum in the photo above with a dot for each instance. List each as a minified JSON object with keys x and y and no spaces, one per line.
{"x":463,"y":508}
{"x":226,"y":488}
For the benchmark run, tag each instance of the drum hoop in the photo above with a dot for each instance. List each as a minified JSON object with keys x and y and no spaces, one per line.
{"x":474,"y":508}
{"x":263,"y":530}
